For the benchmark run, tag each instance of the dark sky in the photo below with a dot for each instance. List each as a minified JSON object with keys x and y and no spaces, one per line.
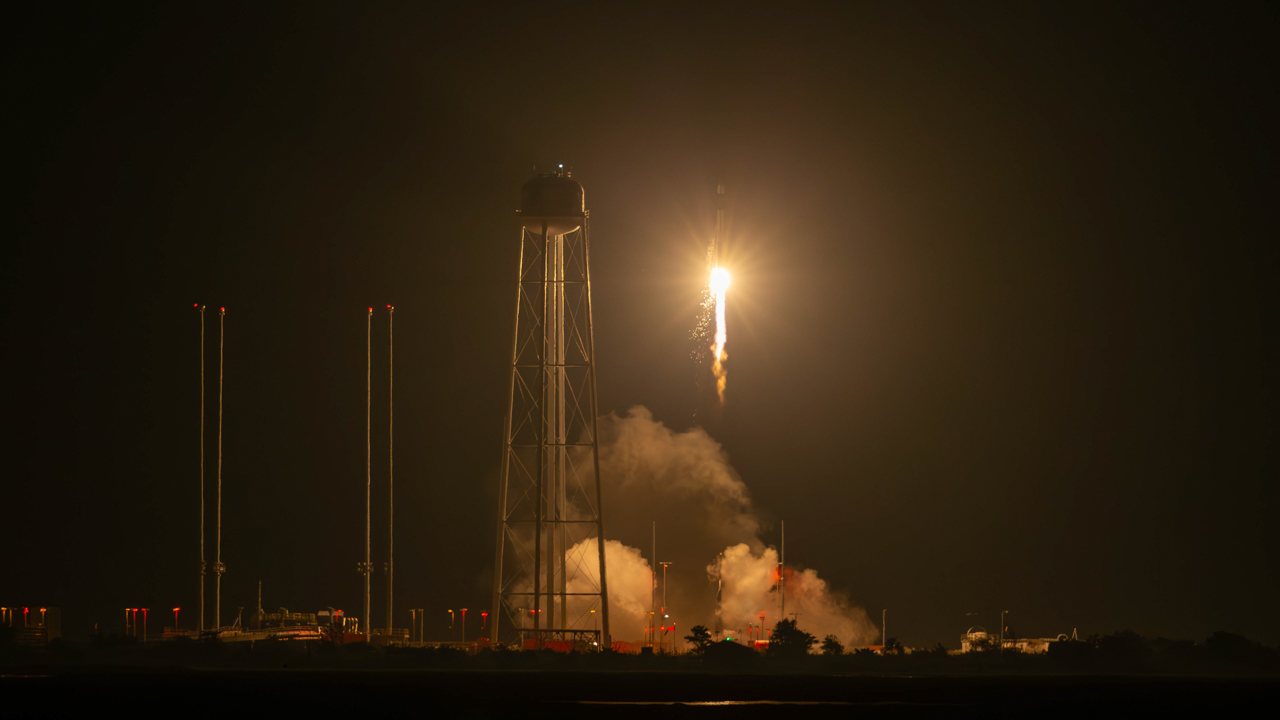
{"x":1002,"y":335}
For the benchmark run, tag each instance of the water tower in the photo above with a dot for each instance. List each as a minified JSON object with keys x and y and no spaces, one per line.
{"x":549,"y":584}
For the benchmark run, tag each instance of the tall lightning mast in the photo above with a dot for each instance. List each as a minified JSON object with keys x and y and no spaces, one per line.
{"x":367,"y":566}
{"x":200,"y":620}
{"x":218,"y":567}
{"x":391,"y":516}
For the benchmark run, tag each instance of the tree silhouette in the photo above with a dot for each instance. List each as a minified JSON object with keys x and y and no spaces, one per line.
{"x":700,"y":636}
{"x":789,"y":641}
{"x":831,"y":646}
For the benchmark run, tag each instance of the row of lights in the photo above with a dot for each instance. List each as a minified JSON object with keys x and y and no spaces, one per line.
{"x":131,"y":621}
{"x":6,"y":615}
{"x":131,"y":618}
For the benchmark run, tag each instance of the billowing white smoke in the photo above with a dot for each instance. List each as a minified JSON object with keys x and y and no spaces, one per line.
{"x":628,"y":575}
{"x":683,"y":480}
{"x":751,"y":587}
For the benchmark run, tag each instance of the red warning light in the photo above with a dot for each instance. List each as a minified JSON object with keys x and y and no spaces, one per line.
{"x":370,"y":309}
{"x":195,"y":304}
{"x":222,"y":309}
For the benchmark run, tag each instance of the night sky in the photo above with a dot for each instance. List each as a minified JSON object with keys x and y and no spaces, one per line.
{"x":1002,"y":334}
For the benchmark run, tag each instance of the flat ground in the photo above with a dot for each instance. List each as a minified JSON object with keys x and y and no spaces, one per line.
{"x":482,"y":694}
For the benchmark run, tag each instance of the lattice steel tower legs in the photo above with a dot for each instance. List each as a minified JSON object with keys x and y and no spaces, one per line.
{"x":549,"y":559}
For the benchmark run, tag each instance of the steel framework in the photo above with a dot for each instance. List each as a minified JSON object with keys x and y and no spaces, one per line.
{"x":550,"y":553}
{"x":579,"y":640}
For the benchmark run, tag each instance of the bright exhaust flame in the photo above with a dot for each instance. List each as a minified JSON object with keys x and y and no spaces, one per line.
{"x":719,"y":284}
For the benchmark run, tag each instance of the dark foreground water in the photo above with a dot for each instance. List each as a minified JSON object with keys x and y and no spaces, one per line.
{"x":184,"y":694}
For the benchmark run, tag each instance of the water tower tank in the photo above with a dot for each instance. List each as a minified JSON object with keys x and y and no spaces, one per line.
{"x":553,"y":198}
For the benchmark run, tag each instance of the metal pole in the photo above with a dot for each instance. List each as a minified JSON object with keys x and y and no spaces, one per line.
{"x":368,"y":466}
{"x":506,"y":458}
{"x":218,"y":567}
{"x":653,"y":587}
{"x":664,"y":588}
{"x":664,"y":598}
{"x":719,"y":595}
{"x":391,"y":518}
{"x":884,"y":629}
{"x":782,"y":573}
{"x":606,"y":640}
{"x":561,"y":433}
{"x":550,"y":374}
{"x":200,"y":623}
{"x":542,"y":446}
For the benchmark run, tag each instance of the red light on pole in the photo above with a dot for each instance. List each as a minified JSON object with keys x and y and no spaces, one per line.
{"x":175,"y":619}
{"x":484,"y":619}
{"x":222,"y":309}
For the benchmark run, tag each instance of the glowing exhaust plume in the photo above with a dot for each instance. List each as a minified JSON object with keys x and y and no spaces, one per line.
{"x":719,"y":283}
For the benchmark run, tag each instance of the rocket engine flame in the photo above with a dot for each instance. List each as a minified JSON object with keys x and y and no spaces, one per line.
{"x":719,"y":284}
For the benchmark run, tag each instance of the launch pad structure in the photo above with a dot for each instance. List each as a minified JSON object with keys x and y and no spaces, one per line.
{"x":550,"y":585}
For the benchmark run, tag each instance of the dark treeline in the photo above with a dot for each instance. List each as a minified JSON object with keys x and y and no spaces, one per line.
{"x":1123,"y":652}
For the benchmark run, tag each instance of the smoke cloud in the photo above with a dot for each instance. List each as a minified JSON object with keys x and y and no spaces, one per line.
{"x":750,"y":587}
{"x":629,"y":586}
{"x":707,"y":528}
